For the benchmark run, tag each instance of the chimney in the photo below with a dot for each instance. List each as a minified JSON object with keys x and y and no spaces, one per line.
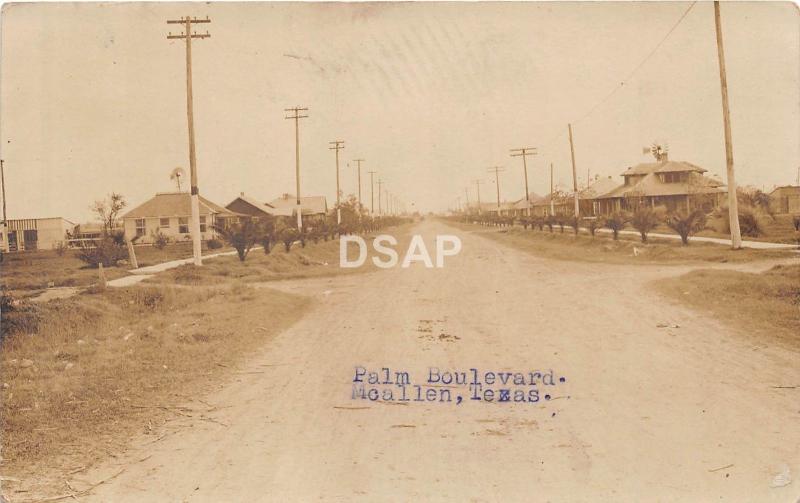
{"x":241,"y":194}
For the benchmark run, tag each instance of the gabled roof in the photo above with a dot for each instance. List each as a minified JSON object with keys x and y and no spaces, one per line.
{"x":662,"y":167}
{"x":600,"y":187}
{"x":259,"y":206}
{"x":310,"y":205}
{"x":174,"y":204}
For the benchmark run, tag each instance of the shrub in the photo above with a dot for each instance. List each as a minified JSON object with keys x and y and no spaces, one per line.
{"x":160,"y":240}
{"x":751,"y":220}
{"x":214,"y":244}
{"x":575,"y":223}
{"x":242,"y":235}
{"x":592,"y":224}
{"x":550,"y":221}
{"x":616,"y":222}
{"x":686,"y":224}
{"x":60,"y":248}
{"x":108,"y":251}
{"x":288,"y":236}
{"x":645,"y":220}
{"x":561,"y":220}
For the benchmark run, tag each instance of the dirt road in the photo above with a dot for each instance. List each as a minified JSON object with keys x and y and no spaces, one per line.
{"x":647,"y":413}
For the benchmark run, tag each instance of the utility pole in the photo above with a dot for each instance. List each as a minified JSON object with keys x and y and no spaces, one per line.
{"x":188,"y":35}
{"x":525,"y":152}
{"x":337,"y":145}
{"x":371,"y":191}
{"x":574,"y":176}
{"x":296,"y":116}
{"x":380,"y":209}
{"x":497,"y":170}
{"x":358,"y":162}
{"x":552,"y":204}
{"x":3,"y":182}
{"x":733,"y":204}
{"x":478,"y":188}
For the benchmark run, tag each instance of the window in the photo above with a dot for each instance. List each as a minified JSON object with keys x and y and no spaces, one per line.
{"x":164,"y":223}
{"x":202,"y":224}
{"x":183,"y":225}
{"x":140,"y":227}
{"x":673,"y":177}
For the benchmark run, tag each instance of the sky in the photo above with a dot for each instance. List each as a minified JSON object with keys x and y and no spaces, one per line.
{"x":93,"y":97}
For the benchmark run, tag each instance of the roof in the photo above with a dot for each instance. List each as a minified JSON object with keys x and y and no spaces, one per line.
{"x":786,"y":188}
{"x":662,"y":167}
{"x":310,"y":205}
{"x":174,"y":204}
{"x":601,"y":186}
{"x":651,"y":185}
{"x":264,"y":207}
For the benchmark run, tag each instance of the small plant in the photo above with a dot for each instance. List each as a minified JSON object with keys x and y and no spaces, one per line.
{"x":616,"y":222}
{"x":60,"y":248}
{"x":575,"y":223}
{"x":242,"y":235}
{"x":592,"y":224}
{"x":550,"y":221}
{"x":686,"y":224}
{"x":561,"y":221}
{"x":108,"y":251}
{"x":288,"y":236}
{"x":160,"y":240}
{"x":645,"y":220}
{"x":214,"y":244}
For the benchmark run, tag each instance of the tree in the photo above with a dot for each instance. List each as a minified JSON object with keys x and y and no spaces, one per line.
{"x":241,"y":235}
{"x":645,"y":220}
{"x":686,"y":223}
{"x":575,"y":223}
{"x":592,"y":224}
{"x":107,"y":211}
{"x":616,"y":222}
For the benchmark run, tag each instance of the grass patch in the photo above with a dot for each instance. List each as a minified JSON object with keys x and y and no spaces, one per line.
{"x":766,"y":305}
{"x":37,"y":270}
{"x":627,"y":250}
{"x":82,"y":375}
{"x":315,"y":260}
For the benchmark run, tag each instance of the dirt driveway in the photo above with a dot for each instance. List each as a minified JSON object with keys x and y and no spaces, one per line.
{"x":647,"y":412}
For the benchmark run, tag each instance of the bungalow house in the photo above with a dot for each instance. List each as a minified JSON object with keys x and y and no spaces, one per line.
{"x":785,"y":199}
{"x":314,"y":208}
{"x":673,"y":184}
{"x":562,"y":204}
{"x":169,"y":213}
{"x":588,"y":198}
{"x":28,"y":234}
{"x":246,"y":205}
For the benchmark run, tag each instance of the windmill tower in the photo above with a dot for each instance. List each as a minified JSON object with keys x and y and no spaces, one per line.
{"x":176,"y":176}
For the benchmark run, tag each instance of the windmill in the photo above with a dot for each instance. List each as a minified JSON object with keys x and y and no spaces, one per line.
{"x":176,"y":176}
{"x":660,"y":150}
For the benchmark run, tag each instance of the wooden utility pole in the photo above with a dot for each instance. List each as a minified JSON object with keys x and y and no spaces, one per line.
{"x":358,"y":162}
{"x":478,"y":188}
{"x":3,"y":183}
{"x":371,"y":191}
{"x":525,"y":152}
{"x":552,"y":204}
{"x":380,"y":209}
{"x":296,"y":115}
{"x":574,"y":175}
{"x":733,"y":204}
{"x":337,"y":145}
{"x":188,"y":35}
{"x":497,"y":170}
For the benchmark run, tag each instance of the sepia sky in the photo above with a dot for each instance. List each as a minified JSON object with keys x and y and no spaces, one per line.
{"x":430,"y":94}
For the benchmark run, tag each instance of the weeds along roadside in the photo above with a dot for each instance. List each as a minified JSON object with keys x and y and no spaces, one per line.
{"x":82,"y":375}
